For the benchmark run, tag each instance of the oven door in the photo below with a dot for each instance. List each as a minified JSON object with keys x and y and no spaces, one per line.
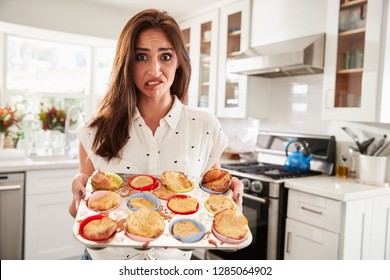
{"x":255,"y":209}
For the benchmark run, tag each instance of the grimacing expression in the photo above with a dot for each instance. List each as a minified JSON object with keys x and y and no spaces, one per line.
{"x":155,"y":63}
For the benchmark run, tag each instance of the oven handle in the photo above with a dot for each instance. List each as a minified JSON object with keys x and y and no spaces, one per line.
{"x":10,"y":187}
{"x":256,"y":198}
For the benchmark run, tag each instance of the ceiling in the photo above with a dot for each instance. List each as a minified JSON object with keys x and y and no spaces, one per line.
{"x":176,"y":8}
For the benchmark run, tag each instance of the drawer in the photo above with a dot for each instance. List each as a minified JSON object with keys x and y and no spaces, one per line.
{"x":314,"y":210}
{"x":50,"y":181}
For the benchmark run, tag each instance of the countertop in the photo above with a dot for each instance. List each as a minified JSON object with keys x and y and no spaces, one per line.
{"x":29,"y":164}
{"x":336,"y":188}
{"x":326,"y":186}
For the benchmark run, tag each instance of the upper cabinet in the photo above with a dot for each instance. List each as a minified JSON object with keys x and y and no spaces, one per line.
{"x":281,"y":20}
{"x":201,"y":37}
{"x":233,"y":39}
{"x":211,"y":40}
{"x":352,"y":60}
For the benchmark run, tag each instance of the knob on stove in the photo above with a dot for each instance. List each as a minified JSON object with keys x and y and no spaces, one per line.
{"x":246,"y":183}
{"x":256,"y":186}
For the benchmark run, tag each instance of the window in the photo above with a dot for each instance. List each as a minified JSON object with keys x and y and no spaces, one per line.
{"x":54,"y":72}
{"x":104,"y":60}
{"x":42,"y":67}
{"x":46,"y":67}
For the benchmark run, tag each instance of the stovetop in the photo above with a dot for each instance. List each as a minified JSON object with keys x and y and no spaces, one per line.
{"x":272,"y":150}
{"x":273,"y":171}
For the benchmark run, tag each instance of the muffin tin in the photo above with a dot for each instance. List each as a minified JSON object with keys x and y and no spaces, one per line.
{"x":166,"y":240}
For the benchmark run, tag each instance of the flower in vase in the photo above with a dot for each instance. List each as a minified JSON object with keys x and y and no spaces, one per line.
{"x":7,"y":119}
{"x":53,"y":119}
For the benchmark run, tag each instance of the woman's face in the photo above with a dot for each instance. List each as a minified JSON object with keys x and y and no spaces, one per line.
{"x":155,"y":63}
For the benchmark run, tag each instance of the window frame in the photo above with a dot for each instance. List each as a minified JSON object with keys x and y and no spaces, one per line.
{"x":91,"y":97}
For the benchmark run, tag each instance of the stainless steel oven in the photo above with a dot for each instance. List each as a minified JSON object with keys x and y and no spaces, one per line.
{"x":264,"y":206}
{"x":265,"y":197}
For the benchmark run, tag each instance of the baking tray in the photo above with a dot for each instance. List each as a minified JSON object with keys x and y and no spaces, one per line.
{"x":166,"y":240}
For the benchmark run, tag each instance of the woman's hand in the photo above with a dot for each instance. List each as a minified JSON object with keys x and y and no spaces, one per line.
{"x":235,"y":185}
{"x":238,"y":189}
{"x":78,"y":189}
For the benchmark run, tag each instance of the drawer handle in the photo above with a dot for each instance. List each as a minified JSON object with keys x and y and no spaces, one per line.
{"x":311,"y":210}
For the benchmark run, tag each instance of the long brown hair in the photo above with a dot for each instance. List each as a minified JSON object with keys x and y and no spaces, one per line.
{"x":114,"y":115}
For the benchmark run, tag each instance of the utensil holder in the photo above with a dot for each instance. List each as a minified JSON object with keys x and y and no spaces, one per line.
{"x":372,"y":170}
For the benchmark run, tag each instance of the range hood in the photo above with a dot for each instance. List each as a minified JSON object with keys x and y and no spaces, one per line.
{"x":301,"y":56}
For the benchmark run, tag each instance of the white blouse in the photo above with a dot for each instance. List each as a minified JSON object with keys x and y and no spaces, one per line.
{"x":187,"y":140}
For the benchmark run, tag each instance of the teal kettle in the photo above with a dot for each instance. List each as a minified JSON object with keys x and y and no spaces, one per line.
{"x":298,"y":160}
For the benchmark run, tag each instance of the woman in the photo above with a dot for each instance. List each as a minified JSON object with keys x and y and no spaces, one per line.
{"x":141,"y":125}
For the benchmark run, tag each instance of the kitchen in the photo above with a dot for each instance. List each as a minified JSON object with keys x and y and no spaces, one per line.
{"x":296,"y":104}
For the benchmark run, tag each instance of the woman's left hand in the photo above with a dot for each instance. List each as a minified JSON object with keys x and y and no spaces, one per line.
{"x":238,"y":189}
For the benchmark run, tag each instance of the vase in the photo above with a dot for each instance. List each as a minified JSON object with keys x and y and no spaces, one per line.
{"x":54,"y":142}
{"x":2,"y":139}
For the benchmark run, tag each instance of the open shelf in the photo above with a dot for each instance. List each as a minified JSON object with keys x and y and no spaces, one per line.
{"x":348,"y":4}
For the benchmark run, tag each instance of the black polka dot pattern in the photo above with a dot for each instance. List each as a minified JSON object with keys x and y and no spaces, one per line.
{"x":180,"y":143}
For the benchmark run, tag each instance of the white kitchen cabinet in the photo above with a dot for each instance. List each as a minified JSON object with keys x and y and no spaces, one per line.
{"x":312,"y":227}
{"x":352,"y":60}
{"x":356,"y":229}
{"x":211,"y":40}
{"x":367,"y":228}
{"x":380,"y":241}
{"x":201,"y":37}
{"x":233,"y":40}
{"x":305,"y":242}
{"x":323,"y":228}
{"x":48,"y":224}
{"x":280,"y":20}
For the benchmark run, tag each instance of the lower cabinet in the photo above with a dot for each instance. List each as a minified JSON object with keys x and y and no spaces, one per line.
{"x":366,"y":233}
{"x":380,"y":241}
{"x":305,"y":242}
{"x":48,"y":224}
{"x":327,"y":229}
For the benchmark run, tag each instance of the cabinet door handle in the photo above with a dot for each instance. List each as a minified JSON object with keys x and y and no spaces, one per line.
{"x":311,"y":210}
{"x":288,"y":243}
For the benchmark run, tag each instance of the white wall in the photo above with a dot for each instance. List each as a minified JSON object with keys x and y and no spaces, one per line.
{"x":66,"y":15}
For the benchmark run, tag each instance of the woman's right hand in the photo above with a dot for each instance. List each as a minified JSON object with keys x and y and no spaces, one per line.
{"x":78,"y":190}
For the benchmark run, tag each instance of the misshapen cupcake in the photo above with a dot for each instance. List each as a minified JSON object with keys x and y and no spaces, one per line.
{"x":216,"y":180}
{"x":176,"y":181}
{"x":101,"y":180}
{"x":230,"y":226}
